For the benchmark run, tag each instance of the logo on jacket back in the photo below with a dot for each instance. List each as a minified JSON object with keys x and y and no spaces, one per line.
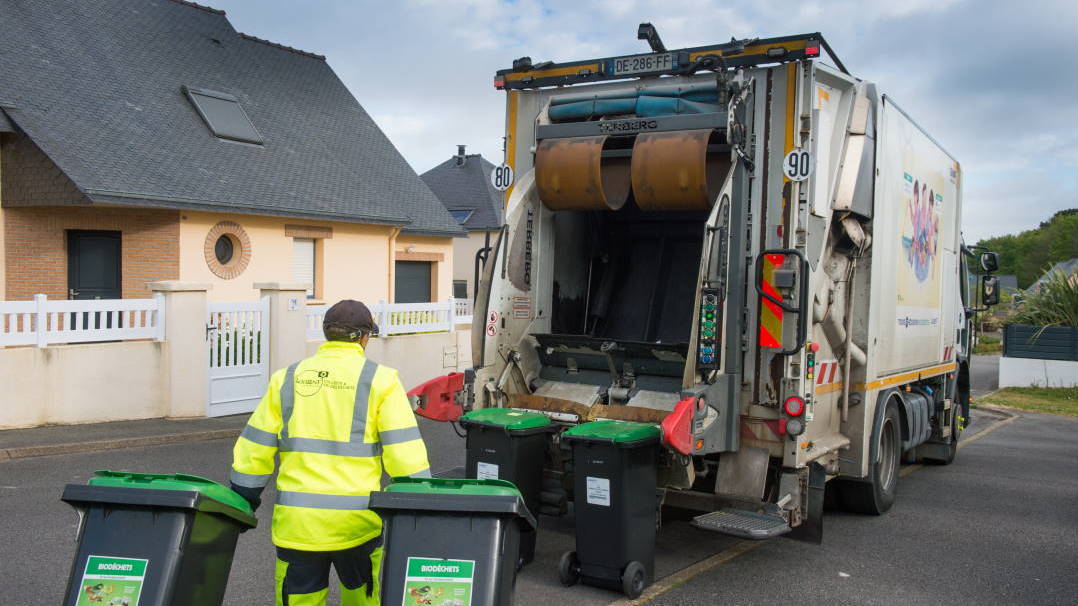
{"x":310,"y":382}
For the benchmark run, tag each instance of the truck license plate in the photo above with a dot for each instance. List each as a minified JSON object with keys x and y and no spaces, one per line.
{"x":639,"y":64}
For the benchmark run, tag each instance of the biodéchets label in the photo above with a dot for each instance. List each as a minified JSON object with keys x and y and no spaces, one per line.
{"x":436,"y":582}
{"x":110,"y":581}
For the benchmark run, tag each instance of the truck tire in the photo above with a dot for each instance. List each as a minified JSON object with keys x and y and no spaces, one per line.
{"x":876,"y":495}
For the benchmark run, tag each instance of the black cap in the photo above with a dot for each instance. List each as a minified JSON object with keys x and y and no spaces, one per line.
{"x":348,"y":320}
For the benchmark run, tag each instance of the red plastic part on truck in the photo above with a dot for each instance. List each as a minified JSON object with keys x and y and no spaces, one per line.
{"x":437,"y":397}
{"x":677,"y":426}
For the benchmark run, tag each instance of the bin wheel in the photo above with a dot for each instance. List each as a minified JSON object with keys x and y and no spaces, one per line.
{"x":632,"y":580}
{"x":569,"y":569}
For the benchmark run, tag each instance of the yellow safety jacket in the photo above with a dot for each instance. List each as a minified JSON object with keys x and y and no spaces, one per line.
{"x":335,"y":419}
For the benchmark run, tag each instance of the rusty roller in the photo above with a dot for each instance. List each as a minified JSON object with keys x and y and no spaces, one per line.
{"x":673,"y":171}
{"x":571,"y":174}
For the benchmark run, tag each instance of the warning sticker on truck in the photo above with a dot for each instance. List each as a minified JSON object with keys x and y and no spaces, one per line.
{"x":486,"y":471}
{"x":598,"y":491}
{"x":438,"y":582}
{"x":109,"y":580}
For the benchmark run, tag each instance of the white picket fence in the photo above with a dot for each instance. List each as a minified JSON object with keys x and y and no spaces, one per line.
{"x":402,"y":318}
{"x":463,"y":310}
{"x":42,"y":322}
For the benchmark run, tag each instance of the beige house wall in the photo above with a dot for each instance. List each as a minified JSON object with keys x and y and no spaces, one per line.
{"x":419,"y":358}
{"x":80,"y":383}
{"x":437,"y":250}
{"x":354,"y":262}
{"x":464,"y":250}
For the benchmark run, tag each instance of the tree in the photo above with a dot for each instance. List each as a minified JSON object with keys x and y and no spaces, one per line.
{"x":1029,"y":254}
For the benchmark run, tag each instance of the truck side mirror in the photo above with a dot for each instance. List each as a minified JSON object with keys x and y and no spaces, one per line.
{"x":989,"y":290}
{"x":989,"y":261}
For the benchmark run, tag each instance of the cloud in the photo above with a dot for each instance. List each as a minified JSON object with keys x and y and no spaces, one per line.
{"x":992,"y":80}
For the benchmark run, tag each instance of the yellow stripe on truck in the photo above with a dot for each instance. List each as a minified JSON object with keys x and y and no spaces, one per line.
{"x":569,"y":70}
{"x":755,"y":49}
{"x":511,"y":140}
{"x":908,"y":377}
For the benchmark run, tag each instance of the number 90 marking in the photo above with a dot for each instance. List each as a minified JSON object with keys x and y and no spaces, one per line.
{"x":797,"y":165}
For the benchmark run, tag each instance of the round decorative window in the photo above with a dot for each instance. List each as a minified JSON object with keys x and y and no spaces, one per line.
{"x":227,"y":250}
{"x":224,"y":249}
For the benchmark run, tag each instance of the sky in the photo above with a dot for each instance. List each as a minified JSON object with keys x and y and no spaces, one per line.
{"x":993,"y":81}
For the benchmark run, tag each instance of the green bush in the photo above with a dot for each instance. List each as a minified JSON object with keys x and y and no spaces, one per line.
{"x":1056,"y":304}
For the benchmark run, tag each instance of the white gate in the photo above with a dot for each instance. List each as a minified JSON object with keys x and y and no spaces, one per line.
{"x":237,"y":336}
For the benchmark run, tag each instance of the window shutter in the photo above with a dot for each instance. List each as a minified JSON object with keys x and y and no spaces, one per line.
{"x":303,"y":263}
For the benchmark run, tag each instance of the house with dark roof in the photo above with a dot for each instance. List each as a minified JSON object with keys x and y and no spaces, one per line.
{"x":1067,"y":268}
{"x":145,"y":141}
{"x":463,"y":185}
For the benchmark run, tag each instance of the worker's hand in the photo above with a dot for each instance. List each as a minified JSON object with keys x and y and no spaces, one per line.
{"x":251,"y":495}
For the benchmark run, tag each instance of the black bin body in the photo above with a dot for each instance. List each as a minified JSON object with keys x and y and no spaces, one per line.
{"x":608,"y":537}
{"x":519,"y":455}
{"x":484,"y":529}
{"x":188,"y":539}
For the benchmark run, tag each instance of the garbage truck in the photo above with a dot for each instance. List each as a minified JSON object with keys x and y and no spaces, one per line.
{"x":745,"y":245}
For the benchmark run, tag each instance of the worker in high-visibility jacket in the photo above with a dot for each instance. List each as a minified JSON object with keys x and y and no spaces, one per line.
{"x":335,"y":419}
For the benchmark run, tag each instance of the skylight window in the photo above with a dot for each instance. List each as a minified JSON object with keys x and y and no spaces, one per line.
{"x":461,"y":215}
{"x":224,"y":115}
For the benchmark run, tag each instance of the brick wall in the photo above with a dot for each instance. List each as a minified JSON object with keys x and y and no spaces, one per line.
{"x":35,"y":245}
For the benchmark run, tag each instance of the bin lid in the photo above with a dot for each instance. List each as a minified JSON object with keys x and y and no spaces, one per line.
{"x":451,"y":495}
{"x":492,"y":488}
{"x":171,"y":481}
{"x":621,"y":433}
{"x":509,"y":418}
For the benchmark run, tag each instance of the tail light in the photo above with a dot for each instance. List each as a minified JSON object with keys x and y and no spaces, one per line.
{"x":794,"y":406}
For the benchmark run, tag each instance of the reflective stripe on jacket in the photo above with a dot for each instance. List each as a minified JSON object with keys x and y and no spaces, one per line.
{"x":334,"y":419}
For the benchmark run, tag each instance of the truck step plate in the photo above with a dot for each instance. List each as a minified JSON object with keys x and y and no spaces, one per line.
{"x":744,"y":524}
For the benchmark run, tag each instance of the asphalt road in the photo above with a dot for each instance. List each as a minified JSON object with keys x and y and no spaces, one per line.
{"x":984,"y":375}
{"x":998,"y":526}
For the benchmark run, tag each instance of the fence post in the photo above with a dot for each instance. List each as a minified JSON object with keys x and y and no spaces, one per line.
{"x":287,"y":321}
{"x":41,"y":321}
{"x":158,"y":317}
{"x":186,"y":356}
{"x":386,"y":326}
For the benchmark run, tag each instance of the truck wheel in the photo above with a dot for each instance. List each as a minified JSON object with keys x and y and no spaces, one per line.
{"x":876,"y":495}
{"x":632,"y":580}
{"x":569,"y":569}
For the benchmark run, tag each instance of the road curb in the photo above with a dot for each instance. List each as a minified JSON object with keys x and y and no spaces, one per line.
{"x":26,"y":452}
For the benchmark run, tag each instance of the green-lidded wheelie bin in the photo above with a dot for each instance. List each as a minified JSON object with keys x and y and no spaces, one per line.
{"x":614,"y":475}
{"x":511,"y":445}
{"x":452,"y":542}
{"x":153,"y":539}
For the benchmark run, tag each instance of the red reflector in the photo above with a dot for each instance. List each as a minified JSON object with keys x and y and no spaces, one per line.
{"x":794,"y":406}
{"x":812,"y":51}
{"x":437,"y":400}
{"x":677,"y":426}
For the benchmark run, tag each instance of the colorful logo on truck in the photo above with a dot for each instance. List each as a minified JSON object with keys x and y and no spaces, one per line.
{"x":921,"y":236}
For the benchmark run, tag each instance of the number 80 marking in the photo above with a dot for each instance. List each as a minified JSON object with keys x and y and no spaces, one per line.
{"x":797,"y":165}
{"x":501,"y":177}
